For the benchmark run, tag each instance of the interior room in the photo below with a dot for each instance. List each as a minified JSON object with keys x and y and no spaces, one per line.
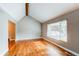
{"x":39,"y":29}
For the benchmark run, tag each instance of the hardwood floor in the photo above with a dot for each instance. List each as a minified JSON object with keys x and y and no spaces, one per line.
{"x":37,"y":47}
{"x":11,"y":43}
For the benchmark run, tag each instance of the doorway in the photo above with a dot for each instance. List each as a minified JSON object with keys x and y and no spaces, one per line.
{"x":11,"y":33}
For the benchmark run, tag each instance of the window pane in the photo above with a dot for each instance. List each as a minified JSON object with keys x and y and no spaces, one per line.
{"x":64,"y":30}
{"x":58,"y":30}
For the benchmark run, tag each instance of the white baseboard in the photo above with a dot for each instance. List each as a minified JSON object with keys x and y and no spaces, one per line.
{"x":63,"y":47}
{"x":28,"y":38}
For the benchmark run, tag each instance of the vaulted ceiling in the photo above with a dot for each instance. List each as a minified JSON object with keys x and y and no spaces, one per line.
{"x":15,"y":10}
{"x":40,"y":11}
{"x":47,"y":11}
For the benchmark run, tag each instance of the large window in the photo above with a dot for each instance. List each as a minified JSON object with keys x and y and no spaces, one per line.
{"x":58,"y":30}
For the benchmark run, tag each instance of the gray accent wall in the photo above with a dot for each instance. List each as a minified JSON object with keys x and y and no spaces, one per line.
{"x":72,"y":29}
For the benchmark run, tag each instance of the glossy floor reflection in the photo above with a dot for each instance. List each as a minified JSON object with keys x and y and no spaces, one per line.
{"x":37,"y":47}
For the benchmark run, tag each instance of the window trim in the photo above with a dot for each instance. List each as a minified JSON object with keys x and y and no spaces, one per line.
{"x":56,"y":22}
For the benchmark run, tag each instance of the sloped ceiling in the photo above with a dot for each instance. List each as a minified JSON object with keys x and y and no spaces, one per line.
{"x":40,"y":11}
{"x":15,"y":10}
{"x":46,"y":11}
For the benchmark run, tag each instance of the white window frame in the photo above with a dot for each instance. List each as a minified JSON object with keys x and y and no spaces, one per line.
{"x":57,"y":35}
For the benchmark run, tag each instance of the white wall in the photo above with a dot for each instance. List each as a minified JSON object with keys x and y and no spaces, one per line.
{"x":4,"y":17}
{"x":28,"y":28}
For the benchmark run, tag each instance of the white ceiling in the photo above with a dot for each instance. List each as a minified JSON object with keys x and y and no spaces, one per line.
{"x":40,"y":11}
{"x":15,"y":10}
{"x":46,"y":11}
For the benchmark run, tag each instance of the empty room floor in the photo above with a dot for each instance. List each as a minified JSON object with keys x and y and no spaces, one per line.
{"x":37,"y":47}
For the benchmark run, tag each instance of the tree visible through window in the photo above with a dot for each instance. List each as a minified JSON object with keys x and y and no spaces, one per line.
{"x":58,"y":30}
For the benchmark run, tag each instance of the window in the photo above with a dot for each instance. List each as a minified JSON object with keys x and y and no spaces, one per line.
{"x":58,"y":30}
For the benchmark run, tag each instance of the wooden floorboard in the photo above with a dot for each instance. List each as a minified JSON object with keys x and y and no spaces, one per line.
{"x":37,"y":47}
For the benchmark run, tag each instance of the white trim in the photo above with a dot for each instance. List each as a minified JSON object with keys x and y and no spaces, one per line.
{"x":12,"y":20}
{"x":2,"y":54}
{"x":63,"y":47}
{"x":28,"y":38}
